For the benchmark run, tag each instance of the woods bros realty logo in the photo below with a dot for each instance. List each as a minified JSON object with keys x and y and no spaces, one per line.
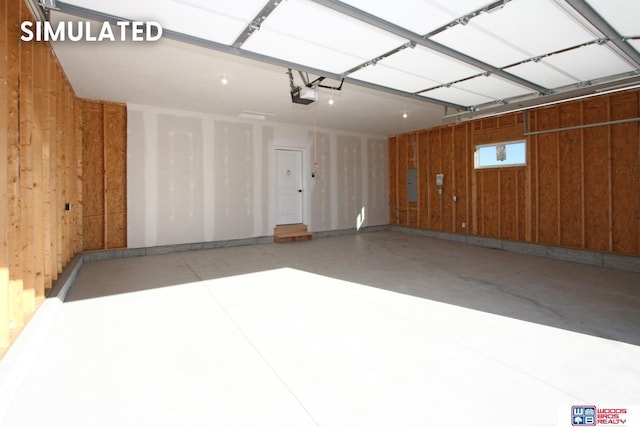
{"x":137,"y":31}
{"x":589,"y":415}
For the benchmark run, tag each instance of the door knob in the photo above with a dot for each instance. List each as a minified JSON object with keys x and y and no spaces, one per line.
{"x":300,"y":190}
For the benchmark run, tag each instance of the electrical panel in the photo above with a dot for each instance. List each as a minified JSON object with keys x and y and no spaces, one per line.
{"x":412,"y":185}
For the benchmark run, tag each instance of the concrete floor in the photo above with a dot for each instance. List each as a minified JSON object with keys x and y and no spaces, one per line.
{"x":372,"y":329}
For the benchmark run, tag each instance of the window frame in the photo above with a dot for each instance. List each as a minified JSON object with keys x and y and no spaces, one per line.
{"x":476,"y":156}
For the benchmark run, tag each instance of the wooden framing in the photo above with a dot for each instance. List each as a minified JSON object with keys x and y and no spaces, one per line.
{"x":104,"y":221}
{"x":41,"y":172}
{"x":393,"y":179}
{"x":115,"y":171}
{"x":4,"y":183}
{"x":27,"y":153}
{"x":77,"y":175}
{"x":14,"y":236}
{"x":579,"y":188}
{"x":41,"y":285}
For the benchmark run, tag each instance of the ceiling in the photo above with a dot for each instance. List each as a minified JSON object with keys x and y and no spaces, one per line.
{"x":436,"y":61}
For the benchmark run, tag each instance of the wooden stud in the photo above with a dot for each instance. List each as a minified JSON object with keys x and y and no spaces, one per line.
{"x":583,"y":242}
{"x":14,"y":236}
{"x":569,"y":176}
{"x":49,"y":165}
{"x":547,"y":179}
{"x":446,"y":159}
{"x":33,"y":118}
{"x":499,"y":205}
{"x":528,"y":206}
{"x":60,"y":167}
{"x":26,"y":200}
{"x":38,"y":220}
{"x":115,"y":142}
{"x":392,"y":161}
{"x":480,"y":204}
{"x":53,"y":166}
{"x":401,"y":179}
{"x":610,"y":176}
{"x":474,"y":184}
{"x":105,"y":187}
{"x":63,"y":169}
{"x":77,"y":142}
{"x":558,"y":189}
{"x":517,"y":207}
{"x":438,"y":155}
{"x":93,"y":176}
{"x":416,"y":165}
{"x":596,"y":175}
{"x":469,"y":167}
{"x":390,"y":167}
{"x":70,"y":171}
{"x":4,"y":205}
{"x":625,"y":183}
{"x":396,"y":174}
{"x":454,"y":177}
{"x":422,"y":185}
{"x":58,"y":121}
{"x":434,"y":168}
{"x":536,"y":186}
{"x":46,"y":184}
{"x":67,"y":142}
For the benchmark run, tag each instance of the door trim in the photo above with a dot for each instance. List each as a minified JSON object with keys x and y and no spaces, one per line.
{"x":302,"y":182}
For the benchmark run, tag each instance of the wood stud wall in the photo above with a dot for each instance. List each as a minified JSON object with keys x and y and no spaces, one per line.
{"x":115,"y":172}
{"x":580,"y":188}
{"x":36,"y":180}
{"x":43,"y":136}
{"x":104,"y":157}
{"x":5,"y":119}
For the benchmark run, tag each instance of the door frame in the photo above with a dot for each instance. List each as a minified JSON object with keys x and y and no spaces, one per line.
{"x":303,"y":181}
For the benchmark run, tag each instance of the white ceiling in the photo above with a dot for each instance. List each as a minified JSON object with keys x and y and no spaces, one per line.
{"x":427,"y":58}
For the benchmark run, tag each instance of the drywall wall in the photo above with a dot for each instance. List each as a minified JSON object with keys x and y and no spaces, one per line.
{"x":196,"y":177}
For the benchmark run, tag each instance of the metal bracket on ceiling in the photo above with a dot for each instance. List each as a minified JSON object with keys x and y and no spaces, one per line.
{"x":318,"y":83}
{"x":305,"y":78}
{"x":588,"y":13}
{"x":539,"y":58}
{"x":292,"y":85}
{"x":255,"y":23}
{"x":312,"y":84}
{"x":40,"y":8}
{"x":374,"y":61}
{"x":380,"y":23}
{"x":48,"y":4}
{"x":464,"y":20}
{"x":449,"y":84}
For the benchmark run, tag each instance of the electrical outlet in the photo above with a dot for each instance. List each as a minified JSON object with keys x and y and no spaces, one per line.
{"x":464,"y":225}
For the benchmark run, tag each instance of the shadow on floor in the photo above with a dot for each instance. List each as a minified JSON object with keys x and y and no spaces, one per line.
{"x":580,"y":298}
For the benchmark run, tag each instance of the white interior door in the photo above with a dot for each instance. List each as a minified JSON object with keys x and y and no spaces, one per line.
{"x":288,"y":187}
